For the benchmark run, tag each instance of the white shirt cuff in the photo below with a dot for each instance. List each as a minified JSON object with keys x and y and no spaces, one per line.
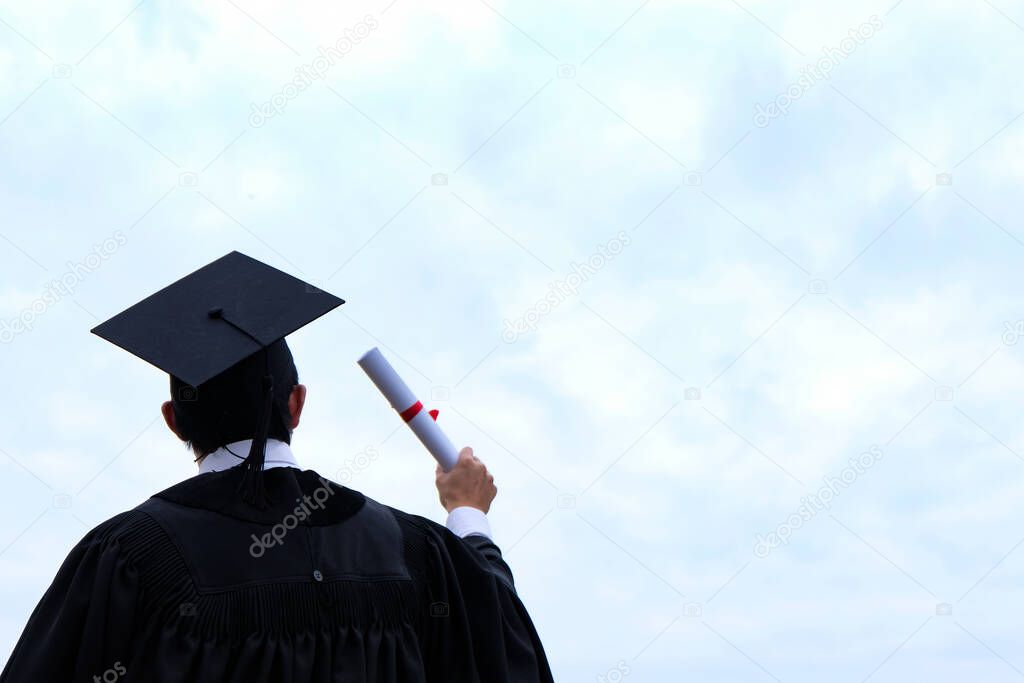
{"x":464,"y":520}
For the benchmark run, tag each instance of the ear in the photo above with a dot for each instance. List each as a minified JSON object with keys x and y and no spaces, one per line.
{"x":167,"y":409}
{"x":296,"y":401}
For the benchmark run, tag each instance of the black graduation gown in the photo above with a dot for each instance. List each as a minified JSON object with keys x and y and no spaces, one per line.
{"x":325,"y":585}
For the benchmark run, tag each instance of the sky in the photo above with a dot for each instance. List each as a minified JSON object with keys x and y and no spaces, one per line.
{"x":726,"y":295}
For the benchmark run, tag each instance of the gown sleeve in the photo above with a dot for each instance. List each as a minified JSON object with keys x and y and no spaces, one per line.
{"x":82,"y":626}
{"x":478,"y":630}
{"x":492,"y":554}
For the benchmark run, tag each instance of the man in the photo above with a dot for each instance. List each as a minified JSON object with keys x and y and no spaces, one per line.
{"x":257,"y":570}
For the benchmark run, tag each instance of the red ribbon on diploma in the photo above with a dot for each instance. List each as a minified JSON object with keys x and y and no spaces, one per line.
{"x":414,"y":410}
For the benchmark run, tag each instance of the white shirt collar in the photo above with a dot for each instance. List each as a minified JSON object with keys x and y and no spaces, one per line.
{"x":279,"y":454}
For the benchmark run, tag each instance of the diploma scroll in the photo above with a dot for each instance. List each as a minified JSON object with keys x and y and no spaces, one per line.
{"x":422,"y":422}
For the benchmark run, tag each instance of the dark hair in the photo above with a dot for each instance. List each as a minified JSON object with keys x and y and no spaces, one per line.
{"x":226,"y":408}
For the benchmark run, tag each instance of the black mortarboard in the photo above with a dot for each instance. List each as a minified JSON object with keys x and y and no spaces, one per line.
{"x":223,"y":313}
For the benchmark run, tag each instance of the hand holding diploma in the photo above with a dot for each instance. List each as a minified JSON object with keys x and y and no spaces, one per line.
{"x":423,"y":423}
{"x":468,"y":484}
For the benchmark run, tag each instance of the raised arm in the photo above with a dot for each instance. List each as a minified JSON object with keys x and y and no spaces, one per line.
{"x":467,"y":492}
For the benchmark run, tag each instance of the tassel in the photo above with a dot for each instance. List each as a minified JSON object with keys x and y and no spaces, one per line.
{"x":253,"y":488}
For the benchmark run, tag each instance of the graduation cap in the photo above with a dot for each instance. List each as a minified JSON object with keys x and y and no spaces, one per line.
{"x":211,"y":320}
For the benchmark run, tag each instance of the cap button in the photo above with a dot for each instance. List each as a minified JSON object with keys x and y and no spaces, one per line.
{"x":317,"y":575}
{"x":215,"y":313}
